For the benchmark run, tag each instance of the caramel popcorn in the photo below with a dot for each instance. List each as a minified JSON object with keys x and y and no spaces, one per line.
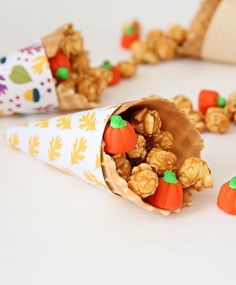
{"x":183,"y":103}
{"x":187,"y":197}
{"x":217,"y":120}
{"x":161,"y":160}
{"x":195,"y":173}
{"x":143,"y":180}
{"x":89,"y":87}
{"x":177,"y":33}
{"x":127,"y":69}
{"x":166,"y":49}
{"x":231,"y":105}
{"x":123,"y":166}
{"x":72,"y":44}
{"x":147,"y":122}
{"x":163,"y":140}
{"x":198,"y":119}
{"x":80,"y":62}
{"x":139,"y":151}
{"x":141,"y":54}
{"x":152,"y":39}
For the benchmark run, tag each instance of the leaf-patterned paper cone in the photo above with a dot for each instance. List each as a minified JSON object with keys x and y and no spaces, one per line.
{"x":73,"y":143}
{"x":26,"y":82}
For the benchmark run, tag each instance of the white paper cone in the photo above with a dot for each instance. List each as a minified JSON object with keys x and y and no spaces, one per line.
{"x":71,"y":142}
{"x":26,"y":82}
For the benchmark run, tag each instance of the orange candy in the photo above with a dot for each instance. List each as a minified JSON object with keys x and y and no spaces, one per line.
{"x":59,"y":61}
{"x":119,"y":136}
{"x":129,"y":37}
{"x":116,"y":77}
{"x":208,"y":99}
{"x":169,"y":193}
{"x":227,"y":197}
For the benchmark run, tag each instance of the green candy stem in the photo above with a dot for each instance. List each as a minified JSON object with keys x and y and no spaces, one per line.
{"x":170,"y":177}
{"x":117,"y":122}
{"x":130,"y":31}
{"x":107,"y":64}
{"x":62,"y":73}
{"x":221,"y":102}
{"x":232,"y":183}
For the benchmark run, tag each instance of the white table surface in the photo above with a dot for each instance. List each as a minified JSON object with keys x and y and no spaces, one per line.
{"x":56,"y":229}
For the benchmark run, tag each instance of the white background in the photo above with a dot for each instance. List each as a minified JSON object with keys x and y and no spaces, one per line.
{"x":56,"y":229}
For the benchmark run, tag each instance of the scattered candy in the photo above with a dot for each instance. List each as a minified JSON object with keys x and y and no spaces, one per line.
{"x":60,"y":66}
{"x":129,"y":37}
{"x":169,"y":193}
{"x":119,"y":136}
{"x":208,"y":99}
{"x":226,"y":200}
{"x":116,"y":77}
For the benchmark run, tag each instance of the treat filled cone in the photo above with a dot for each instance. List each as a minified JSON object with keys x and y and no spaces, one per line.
{"x":212,"y":33}
{"x":45,"y":76}
{"x":74,"y":143}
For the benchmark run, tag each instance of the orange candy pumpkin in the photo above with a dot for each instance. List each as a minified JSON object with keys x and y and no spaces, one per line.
{"x":227,"y":197}
{"x":60,"y":66}
{"x":129,"y":36}
{"x":119,"y":136}
{"x":116,"y":77}
{"x":169,"y":193}
{"x":208,"y":99}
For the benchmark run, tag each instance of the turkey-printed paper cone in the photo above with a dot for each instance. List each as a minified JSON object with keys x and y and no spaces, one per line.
{"x":54,"y":73}
{"x":26,"y":82}
{"x":74,"y":143}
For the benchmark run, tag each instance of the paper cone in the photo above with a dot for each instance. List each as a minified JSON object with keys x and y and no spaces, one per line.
{"x":212,"y":34}
{"x":27,"y":84}
{"x":73,"y":143}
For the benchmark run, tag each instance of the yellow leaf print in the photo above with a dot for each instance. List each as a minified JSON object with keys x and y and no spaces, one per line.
{"x":91,"y":178}
{"x":33,"y":145}
{"x":14,"y":140}
{"x":40,"y":62}
{"x":42,"y":124}
{"x":87,"y":122}
{"x":98,"y":160}
{"x":64,"y":122}
{"x":25,"y":125}
{"x":54,"y":148}
{"x":79,"y":146}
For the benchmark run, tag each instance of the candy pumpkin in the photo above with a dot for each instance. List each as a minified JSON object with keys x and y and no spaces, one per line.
{"x":129,"y":36}
{"x":116,"y":77}
{"x":60,"y":66}
{"x":208,"y":99}
{"x":227,"y":197}
{"x":119,"y":136}
{"x":169,"y":193}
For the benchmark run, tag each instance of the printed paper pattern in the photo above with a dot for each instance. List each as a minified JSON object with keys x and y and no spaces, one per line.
{"x":71,"y":143}
{"x":26,"y":82}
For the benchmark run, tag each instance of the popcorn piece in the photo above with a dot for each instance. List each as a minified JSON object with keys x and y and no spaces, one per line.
{"x":217,"y":120}
{"x":187,"y":199}
{"x":143,"y":180}
{"x":134,"y":25}
{"x":231,"y":105}
{"x":166,"y":49}
{"x":153,"y":37}
{"x":147,"y":122}
{"x":198,"y":119}
{"x":123,"y":166}
{"x":127,"y":69}
{"x":141,"y":54}
{"x":72,"y":44}
{"x":161,"y":160}
{"x":139,"y":151}
{"x":183,"y":103}
{"x":163,"y":140}
{"x":196,"y":173}
{"x":177,"y":33}
{"x":80,"y":62}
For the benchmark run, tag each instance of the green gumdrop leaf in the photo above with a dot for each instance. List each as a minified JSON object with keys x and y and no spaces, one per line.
{"x":19,"y":75}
